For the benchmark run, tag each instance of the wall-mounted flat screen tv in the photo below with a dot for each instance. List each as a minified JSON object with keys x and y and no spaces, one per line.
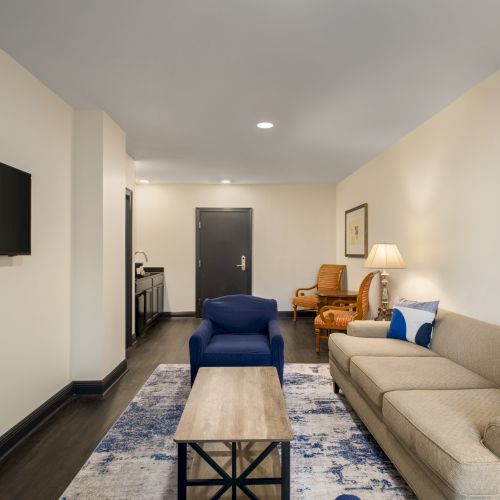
{"x":15,"y":211}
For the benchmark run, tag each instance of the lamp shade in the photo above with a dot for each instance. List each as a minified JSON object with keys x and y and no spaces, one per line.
{"x":385,"y":256}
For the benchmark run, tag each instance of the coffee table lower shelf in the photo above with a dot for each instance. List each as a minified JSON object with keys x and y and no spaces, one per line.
{"x":244,"y":465}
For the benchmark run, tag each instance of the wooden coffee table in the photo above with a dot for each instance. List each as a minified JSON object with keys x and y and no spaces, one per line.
{"x":237,"y":406}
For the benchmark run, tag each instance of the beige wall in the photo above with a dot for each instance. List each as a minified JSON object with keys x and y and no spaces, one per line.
{"x":35,"y":136}
{"x":98,"y":260}
{"x":62,"y":312}
{"x":293,"y":234}
{"x":130,"y":184}
{"x":87,"y":265}
{"x":114,"y":175}
{"x":436,"y":193}
{"x":130,"y":173}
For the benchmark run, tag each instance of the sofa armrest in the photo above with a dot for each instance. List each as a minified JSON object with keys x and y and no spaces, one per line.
{"x":368,"y":328}
{"x":277,"y":347}
{"x":197,"y":345}
{"x":491,"y":436}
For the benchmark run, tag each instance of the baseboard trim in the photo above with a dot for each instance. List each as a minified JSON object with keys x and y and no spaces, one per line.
{"x":179,"y":314}
{"x":99,"y":388}
{"x":300,"y":314}
{"x":28,"y":425}
{"x":17,"y":434}
{"x":281,"y":314}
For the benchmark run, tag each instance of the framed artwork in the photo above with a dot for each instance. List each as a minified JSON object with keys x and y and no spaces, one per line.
{"x":356,"y":231}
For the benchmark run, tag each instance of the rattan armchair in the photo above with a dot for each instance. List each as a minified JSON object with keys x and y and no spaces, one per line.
{"x":339,"y":314}
{"x":329,"y":280}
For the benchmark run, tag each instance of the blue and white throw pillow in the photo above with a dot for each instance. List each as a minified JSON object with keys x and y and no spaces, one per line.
{"x":413,"y":321}
{"x":425,"y":306}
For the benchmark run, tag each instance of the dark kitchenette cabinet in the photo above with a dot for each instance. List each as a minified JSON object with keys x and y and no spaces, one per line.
{"x":149,"y":293}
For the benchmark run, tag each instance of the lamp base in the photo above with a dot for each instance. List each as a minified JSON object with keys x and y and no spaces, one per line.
{"x":384,"y":315}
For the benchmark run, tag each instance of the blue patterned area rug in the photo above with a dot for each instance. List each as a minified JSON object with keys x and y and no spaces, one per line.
{"x":333,"y":455}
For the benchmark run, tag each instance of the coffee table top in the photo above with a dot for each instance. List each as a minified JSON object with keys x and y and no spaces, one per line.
{"x":235,"y":404}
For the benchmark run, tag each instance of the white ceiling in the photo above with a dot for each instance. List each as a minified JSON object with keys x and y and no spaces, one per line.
{"x":188,"y":80}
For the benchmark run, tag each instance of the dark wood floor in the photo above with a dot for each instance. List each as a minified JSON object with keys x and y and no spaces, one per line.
{"x":45,"y":463}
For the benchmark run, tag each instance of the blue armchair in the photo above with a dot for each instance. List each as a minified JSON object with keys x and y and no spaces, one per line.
{"x":237,"y":330}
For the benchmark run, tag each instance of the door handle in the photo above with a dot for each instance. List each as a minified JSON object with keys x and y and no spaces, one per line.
{"x":243,"y":264}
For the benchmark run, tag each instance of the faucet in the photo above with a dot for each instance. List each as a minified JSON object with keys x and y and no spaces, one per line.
{"x":143,"y":253}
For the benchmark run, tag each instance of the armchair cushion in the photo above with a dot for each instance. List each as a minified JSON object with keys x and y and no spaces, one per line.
{"x":241,"y":350}
{"x":336,"y":319}
{"x":243,"y":314}
{"x":307,"y":301}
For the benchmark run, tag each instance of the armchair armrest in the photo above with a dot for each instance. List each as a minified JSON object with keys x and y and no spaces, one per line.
{"x":368,"y":328}
{"x":197,"y":345}
{"x":342,"y":302}
{"x":277,"y":347}
{"x":305,"y":289}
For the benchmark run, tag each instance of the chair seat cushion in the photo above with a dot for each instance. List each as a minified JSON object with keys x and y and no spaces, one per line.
{"x":238,"y":350}
{"x":444,"y":430}
{"x":308,"y":301}
{"x":336,"y":319}
{"x":376,"y":376}
{"x":343,"y":347}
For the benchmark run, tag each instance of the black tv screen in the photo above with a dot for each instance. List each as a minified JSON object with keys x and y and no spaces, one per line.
{"x":15,"y":211}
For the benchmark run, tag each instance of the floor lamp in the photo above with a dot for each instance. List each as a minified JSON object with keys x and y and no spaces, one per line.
{"x":385,"y":256}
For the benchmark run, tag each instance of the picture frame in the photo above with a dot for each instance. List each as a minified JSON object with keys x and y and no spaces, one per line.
{"x":356,"y":231}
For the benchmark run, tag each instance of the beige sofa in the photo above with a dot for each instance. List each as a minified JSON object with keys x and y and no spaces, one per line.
{"x":435,"y":412}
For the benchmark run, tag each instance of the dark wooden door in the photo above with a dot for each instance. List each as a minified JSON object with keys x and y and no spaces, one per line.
{"x":223,"y":253}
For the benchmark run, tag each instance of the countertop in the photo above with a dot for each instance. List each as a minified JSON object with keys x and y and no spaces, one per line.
{"x":149,"y":272}
{"x":148,"y":275}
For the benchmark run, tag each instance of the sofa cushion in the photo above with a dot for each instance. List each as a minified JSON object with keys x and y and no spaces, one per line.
{"x":444,"y":430}
{"x":343,"y":347}
{"x":376,"y":376}
{"x":237,"y":350}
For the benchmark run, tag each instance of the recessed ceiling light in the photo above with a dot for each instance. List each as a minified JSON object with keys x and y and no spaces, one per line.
{"x":144,"y":181}
{"x":225,"y":181}
{"x":265,"y":125}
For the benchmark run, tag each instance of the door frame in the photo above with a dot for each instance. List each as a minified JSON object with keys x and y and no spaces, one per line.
{"x":199,"y":211}
{"x":129,"y":263}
